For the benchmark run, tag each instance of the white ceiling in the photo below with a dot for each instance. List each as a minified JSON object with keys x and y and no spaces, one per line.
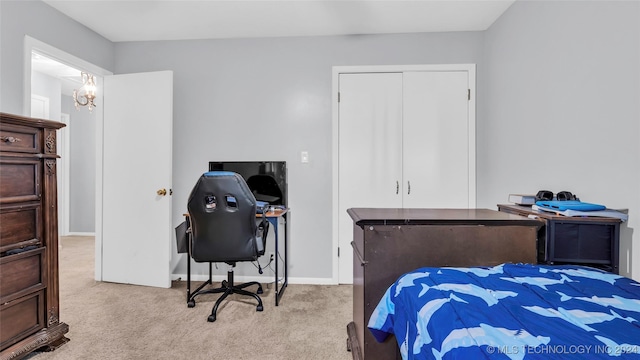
{"x":148,"y":20}
{"x":69,"y":77}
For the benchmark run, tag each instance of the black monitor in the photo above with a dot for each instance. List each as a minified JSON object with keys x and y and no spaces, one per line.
{"x":266,"y":179}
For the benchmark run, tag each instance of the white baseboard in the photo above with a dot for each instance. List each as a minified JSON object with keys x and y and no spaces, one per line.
{"x":81,"y":234}
{"x":262,"y":279}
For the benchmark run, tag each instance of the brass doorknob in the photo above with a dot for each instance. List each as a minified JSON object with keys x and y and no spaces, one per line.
{"x":162,"y":192}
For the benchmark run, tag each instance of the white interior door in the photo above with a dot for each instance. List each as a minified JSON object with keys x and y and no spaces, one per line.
{"x":136,"y":230}
{"x":370,"y":134}
{"x":435,"y":139}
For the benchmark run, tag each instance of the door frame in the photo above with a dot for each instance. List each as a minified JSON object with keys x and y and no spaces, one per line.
{"x":32,"y":44}
{"x":335,"y":86}
{"x":64,"y":142}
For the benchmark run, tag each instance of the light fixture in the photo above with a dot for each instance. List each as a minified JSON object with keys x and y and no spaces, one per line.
{"x":87,"y":93}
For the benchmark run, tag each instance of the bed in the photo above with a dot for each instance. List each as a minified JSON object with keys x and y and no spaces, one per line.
{"x":510,"y":311}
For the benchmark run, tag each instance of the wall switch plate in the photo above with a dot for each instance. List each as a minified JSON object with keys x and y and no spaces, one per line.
{"x":304,"y":157}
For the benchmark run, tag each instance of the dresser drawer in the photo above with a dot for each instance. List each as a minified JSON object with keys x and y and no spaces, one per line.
{"x":21,"y":318}
{"x":19,"y":179}
{"x":21,"y":226}
{"x":21,"y":274}
{"x":16,"y":138}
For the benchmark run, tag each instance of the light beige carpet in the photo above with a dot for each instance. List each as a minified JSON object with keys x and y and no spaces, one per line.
{"x":115,"y":321}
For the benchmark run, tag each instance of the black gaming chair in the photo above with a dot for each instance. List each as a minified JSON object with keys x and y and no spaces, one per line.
{"x":223,"y":228}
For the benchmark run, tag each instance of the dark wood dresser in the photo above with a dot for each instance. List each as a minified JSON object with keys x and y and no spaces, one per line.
{"x":390,"y":242}
{"x":29,"y":301}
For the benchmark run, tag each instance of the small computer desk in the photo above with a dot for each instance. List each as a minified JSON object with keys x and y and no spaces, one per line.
{"x":279,"y":217}
{"x":275,"y":218}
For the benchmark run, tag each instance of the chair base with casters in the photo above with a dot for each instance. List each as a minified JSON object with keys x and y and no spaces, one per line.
{"x":228,"y":287}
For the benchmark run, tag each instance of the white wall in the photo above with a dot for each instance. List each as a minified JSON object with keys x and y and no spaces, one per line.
{"x":42,"y":22}
{"x":561,"y":107}
{"x":270,"y":99}
{"x":546,"y":71}
{"x":82,"y":168}
{"x":49,"y":87}
{"x":38,"y":20}
{"x":82,"y":152}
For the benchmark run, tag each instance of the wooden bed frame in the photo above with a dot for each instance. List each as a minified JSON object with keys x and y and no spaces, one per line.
{"x":390,"y":242}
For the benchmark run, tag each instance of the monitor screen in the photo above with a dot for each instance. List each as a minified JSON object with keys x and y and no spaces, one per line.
{"x":266,"y":179}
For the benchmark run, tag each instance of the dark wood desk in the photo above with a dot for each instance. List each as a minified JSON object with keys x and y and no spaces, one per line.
{"x":274,"y":217}
{"x":390,"y":242}
{"x":591,"y":241}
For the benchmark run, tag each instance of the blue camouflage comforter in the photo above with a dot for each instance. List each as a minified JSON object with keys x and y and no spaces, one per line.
{"x":511,"y":311}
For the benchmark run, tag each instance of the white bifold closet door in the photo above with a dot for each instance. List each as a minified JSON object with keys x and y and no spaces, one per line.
{"x":435,"y":140}
{"x":370,"y":159}
{"x":403,"y":143}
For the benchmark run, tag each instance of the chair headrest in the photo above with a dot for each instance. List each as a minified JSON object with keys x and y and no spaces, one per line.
{"x":219,"y":173}
{"x":220,"y":187}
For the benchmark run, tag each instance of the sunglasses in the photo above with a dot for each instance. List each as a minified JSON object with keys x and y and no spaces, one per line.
{"x":546,"y":195}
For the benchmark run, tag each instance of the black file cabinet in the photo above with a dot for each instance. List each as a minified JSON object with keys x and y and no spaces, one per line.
{"x":590,"y":241}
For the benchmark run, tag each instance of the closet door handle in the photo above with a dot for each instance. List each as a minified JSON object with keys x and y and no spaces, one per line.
{"x":408,"y":187}
{"x":397,"y":187}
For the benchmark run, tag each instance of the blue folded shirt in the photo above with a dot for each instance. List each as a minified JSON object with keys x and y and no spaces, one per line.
{"x":569,"y":205}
